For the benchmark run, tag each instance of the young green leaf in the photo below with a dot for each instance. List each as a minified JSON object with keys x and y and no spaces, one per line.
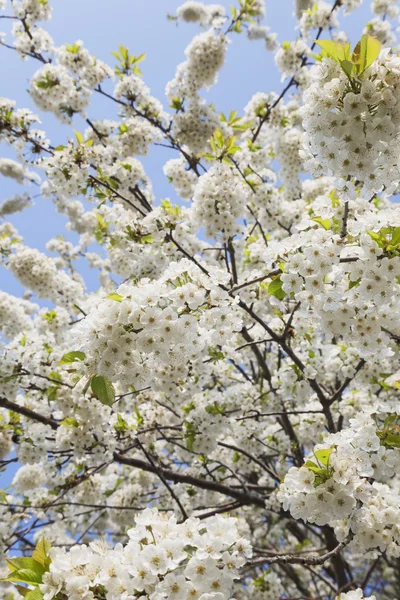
{"x":41,"y":553}
{"x":275,"y":289}
{"x":325,"y":223}
{"x":323,"y":456}
{"x":335,"y":50}
{"x":103,"y":389}
{"x":366,"y":52}
{"x":115,"y":296}
{"x":72,"y":357}
{"x":348,"y":67}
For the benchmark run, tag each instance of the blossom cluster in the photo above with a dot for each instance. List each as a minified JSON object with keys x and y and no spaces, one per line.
{"x":342,"y":480}
{"x":146,"y":327}
{"x":162,"y":559}
{"x":352,"y":125}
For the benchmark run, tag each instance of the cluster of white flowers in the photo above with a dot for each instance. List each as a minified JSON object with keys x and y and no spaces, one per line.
{"x":350,"y":5}
{"x":388,"y":8}
{"x":288,"y":147}
{"x":353,"y":299}
{"x":162,"y":559}
{"x":290,"y":58}
{"x":14,"y":170}
{"x":14,"y":314}
{"x":40,"y":273}
{"x":35,"y":39}
{"x":318,"y":16}
{"x":205,"y":57}
{"x":195,"y":126}
{"x":355,"y":595}
{"x":32,"y":10}
{"x":182,"y":178}
{"x":54,"y":90}
{"x":382,"y":25}
{"x":219,"y":200}
{"x":15,"y":204}
{"x":300,"y":6}
{"x":267,"y":587}
{"x":205,"y":14}
{"x":14,"y":117}
{"x":168,"y":322}
{"x":352,"y":126}
{"x":340,"y":482}
{"x":255,"y":31}
{"x":64,"y":87}
{"x":77,"y":59}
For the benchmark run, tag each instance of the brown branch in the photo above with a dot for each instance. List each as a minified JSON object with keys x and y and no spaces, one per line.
{"x":346,"y":382}
{"x":304,"y":560}
{"x":27,"y":412}
{"x":245,"y":498}
{"x":159,"y":472}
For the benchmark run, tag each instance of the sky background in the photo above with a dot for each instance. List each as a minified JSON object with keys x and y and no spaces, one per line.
{"x":142,"y":26}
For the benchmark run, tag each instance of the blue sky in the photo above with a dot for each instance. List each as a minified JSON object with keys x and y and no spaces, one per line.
{"x":143,"y":27}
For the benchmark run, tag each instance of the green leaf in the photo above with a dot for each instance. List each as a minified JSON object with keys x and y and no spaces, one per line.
{"x":177,"y":103}
{"x":215,"y":354}
{"x":275,"y":289}
{"x":219,"y":138}
{"x":28,"y":576}
{"x":390,"y":419}
{"x":348,"y":67}
{"x":21,"y":590}
{"x":354,"y":283}
{"x":115,"y":296}
{"x":377,"y":237}
{"x":70,"y":422}
{"x":311,"y":466}
{"x":52,"y":393}
{"x":325,"y":223}
{"x":35,"y":594}
{"x":24,"y":563}
{"x":73,"y":48}
{"x":395,"y":241}
{"x":323,"y":456}
{"x":29,"y":593}
{"x":50,"y":316}
{"x":121,"y":425}
{"x":123,"y":51}
{"x":339,"y":52}
{"x":79,"y":137}
{"x":214,"y":409}
{"x":41,"y":553}
{"x":190,"y":436}
{"x":366,"y":52}
{"x":103,"y":389}
{"x":138,"y":59}
{"x":72,"y":357}
{"x":87,"y":385}
{"x":392,"y":440}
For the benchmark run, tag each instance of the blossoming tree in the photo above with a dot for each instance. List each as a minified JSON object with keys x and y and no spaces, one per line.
{"x":221,"y":418}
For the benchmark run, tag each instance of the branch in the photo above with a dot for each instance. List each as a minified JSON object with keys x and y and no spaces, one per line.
{"x":304,"y":560}
{"x":160,"y":474}
{"x":27,"y":412}
{"x":245,"y":498}
{"x":346,"y":382}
